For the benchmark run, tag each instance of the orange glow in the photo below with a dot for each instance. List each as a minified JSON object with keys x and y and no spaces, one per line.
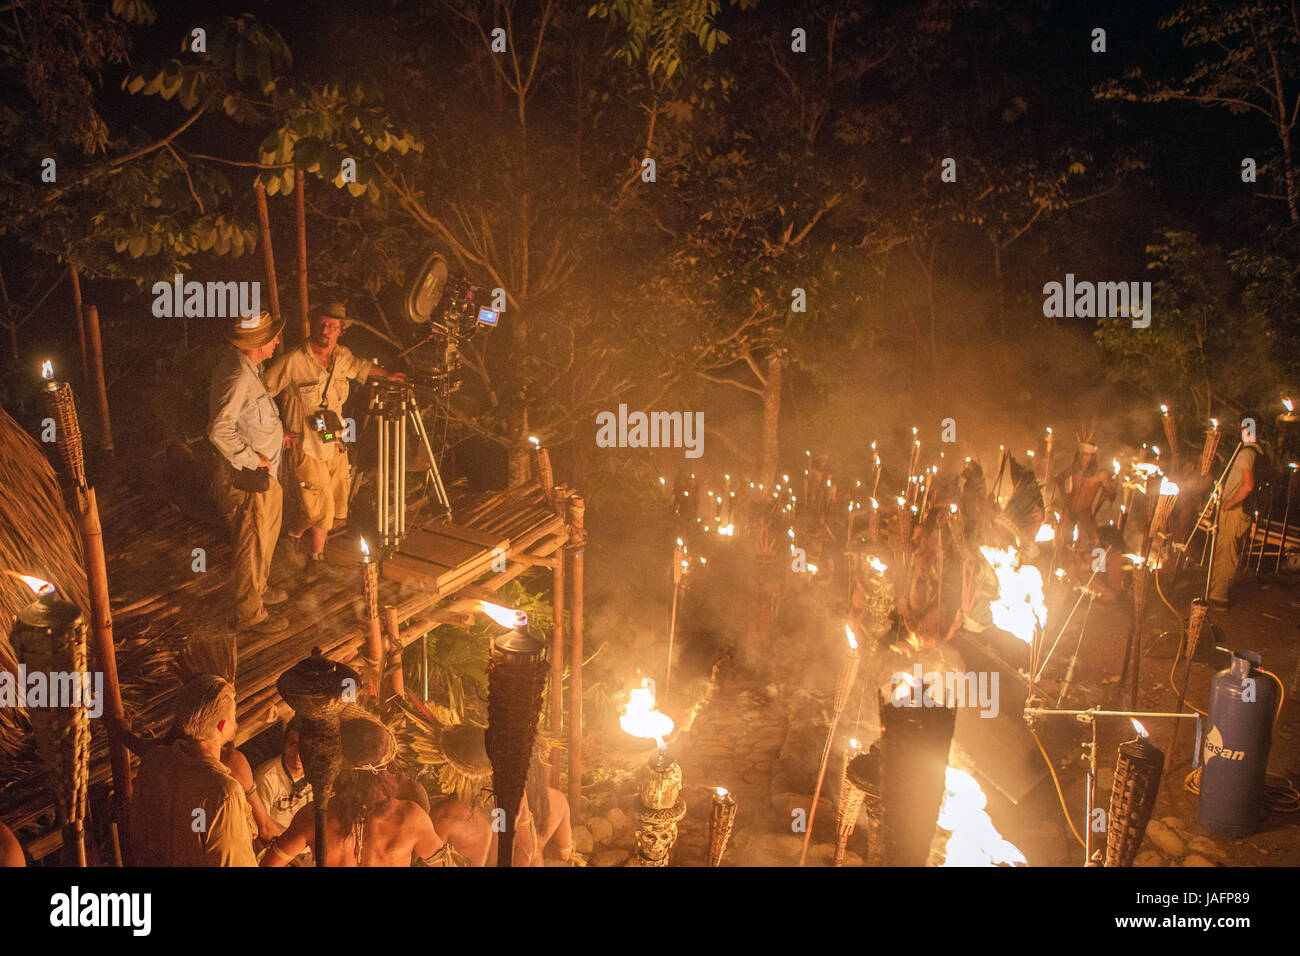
{"x":640,"y":719}
{"x":40,"y":587}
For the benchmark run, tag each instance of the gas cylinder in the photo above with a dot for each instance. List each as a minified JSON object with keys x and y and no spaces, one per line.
{"x":1234,"y":750}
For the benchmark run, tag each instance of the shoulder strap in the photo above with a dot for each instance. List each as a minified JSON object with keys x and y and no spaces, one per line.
{"x":329,"y":378}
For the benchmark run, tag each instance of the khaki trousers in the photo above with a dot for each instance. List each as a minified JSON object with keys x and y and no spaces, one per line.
{"x":254,"y":521}
{"x":1229,"y":548}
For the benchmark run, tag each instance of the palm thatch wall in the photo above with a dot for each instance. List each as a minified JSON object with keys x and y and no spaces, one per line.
{"x":37,"y":536}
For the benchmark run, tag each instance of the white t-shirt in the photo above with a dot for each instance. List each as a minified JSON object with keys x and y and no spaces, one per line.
{"x":276,"y":790}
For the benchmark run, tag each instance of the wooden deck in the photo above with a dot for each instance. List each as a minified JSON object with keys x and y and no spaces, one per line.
{"x":436,"y":578}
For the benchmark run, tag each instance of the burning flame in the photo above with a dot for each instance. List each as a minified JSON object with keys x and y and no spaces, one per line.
{"x":906,"y":685}
{"x":1019,"y":607}
{"x":1164,"y":409}
{"x":880,"y":567}
{"x":1137,"y":726}
{"x":640,"y":719}
{"x":1214,"y":423}
{"x":1045,"y":533}
{"x":720,"y":791}
{"x":1115,"y":464}
{"x":1168,"y":487}
{"x":40,"y":587}
{"x":506,"y":617}
{"x":853,"y":641}
{"x":1289,"y":405}
{"x":532,"y":440}
{"x":47,"y":370}
{"x":365,"y":548}
{"x":974,"y":841}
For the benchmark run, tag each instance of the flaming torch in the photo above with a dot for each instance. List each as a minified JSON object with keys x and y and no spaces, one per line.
{"x":542,"y":466}
{"x":722,"y":818}
{"x":1195,"y":626}
{"x":517,"y":672}
{"x":1160,"y":518}
{"x":1137,"y":781}
{"x":679,"y":568}
{"x":49,"y":638}
{"x":61,"y":407}
{"x":844,"y":681}
{"x":374,"y":654}
{"x":661,"y":805}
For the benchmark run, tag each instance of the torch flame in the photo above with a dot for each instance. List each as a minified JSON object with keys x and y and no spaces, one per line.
{"x":640,"y":719}
{"x":1214,"y":423}
{"x":853,"y":641}
{"x":532,"y":440}
{"x":1290,"y":405}
{"x":906,"y":685}
{"x":1168,"y":487}
{"x":1019,"y":608}
{"x":506,"y":617}
{"x":47,"y":370}
{"x":1045,"y":533}
{"x":365,"y":548}
{"x":974,"y":841}
{"x":880,"y":567}
{"x":1164,"y":409}
{"x":1137,"y":725}
{"x":720,"y":791}
{"x":40,"y":587}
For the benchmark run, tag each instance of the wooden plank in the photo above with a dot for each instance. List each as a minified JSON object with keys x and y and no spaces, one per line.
{"x":463,"y":533}
{"x":442,"y":548}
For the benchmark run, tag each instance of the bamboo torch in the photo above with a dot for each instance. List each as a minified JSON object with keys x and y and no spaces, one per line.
{"x":374,"y":632}
{"x":1195,"y":627}
{"x":1138,"y":768}
{"x":844,"y":681}
{"x":853,"y":792}
{"x":1171,"y":433}
{"x":1286,"y":515}
{"x":49,"y":638}
{"x":70,"y":460}
{"x":722,"y":818}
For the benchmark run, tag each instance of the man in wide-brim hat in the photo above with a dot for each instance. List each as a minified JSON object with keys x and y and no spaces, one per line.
{"x":245,"y":428}
{"x":313,"y":377}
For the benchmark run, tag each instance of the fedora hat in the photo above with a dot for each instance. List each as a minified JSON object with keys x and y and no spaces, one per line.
{"x":335,"y":310}
{"x":252,"y":332}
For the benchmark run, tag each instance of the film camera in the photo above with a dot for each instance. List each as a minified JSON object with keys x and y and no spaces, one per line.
{"x":450,"y":307}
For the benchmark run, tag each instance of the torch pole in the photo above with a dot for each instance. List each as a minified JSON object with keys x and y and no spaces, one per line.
{"x":81,"y":323}
{"x":398,"y":679}
{"x":844,"y":682}
{"x":300,"y":203}
{"x":268,"y":256}
{"x":101,"y":389}
{"x":577,"y":543}
{"x":1286,"y":518}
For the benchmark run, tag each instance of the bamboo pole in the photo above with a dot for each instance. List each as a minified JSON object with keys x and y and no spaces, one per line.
{"x":397,"y":679}
{"x":300,"y":201}
{"x":101,"y":388}
{"x":81,"y":324}
{"x":268,"y":256}
{"x":555,"y":720}
{"x":101,"y":634}
{"x":578,"y":539}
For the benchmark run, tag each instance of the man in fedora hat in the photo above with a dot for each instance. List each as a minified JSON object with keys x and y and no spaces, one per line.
{"x":367,"y":823}
{"x":246,"y":430}
{"x":311,"y":378}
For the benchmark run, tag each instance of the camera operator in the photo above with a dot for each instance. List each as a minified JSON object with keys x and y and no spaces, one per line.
{"x":312,"y":383}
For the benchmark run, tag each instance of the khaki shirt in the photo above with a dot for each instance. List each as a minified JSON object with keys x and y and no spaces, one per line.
{"x":298,"y":377}
{"x":1245,"y":462}
{"x":171,"y":787}
{"x":244,"y":419}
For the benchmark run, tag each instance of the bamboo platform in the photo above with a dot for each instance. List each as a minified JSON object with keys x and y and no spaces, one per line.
{"x":435,"y":578}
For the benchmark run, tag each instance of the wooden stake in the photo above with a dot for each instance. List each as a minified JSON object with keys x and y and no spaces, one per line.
{"x":81,"y":324}
{"x":268,"y":256}
{"x":397,"y":680}
{"x":101,"y":389}
{"x":577,"y":541}
{"x":300,"y":200}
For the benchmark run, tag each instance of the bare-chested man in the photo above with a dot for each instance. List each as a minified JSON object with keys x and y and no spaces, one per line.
{"x":544,"y":818}
{"x":11,"y":851}
{"x":367,"y":824}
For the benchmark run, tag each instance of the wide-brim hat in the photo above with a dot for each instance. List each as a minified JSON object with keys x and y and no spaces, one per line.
{"x":252,"y":332}
{"x":334,"y":309}
{"x":462,"y":761}
{"x":365,"y":740}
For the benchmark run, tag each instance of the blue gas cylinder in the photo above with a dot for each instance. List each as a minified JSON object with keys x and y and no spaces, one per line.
{"x":1234,"y":750}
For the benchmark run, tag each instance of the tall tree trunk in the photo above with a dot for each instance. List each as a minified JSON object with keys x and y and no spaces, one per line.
{"x":771,"y":419}
{"x":519,"y":460}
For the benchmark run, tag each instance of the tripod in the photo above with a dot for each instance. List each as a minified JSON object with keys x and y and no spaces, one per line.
{"x":393,"y":406}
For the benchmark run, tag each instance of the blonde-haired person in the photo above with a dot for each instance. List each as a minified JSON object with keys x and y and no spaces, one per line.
{"x":188,"y":809}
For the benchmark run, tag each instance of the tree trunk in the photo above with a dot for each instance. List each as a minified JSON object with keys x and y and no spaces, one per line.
{"x":771,"y":419}
{"x":519,"y":458}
